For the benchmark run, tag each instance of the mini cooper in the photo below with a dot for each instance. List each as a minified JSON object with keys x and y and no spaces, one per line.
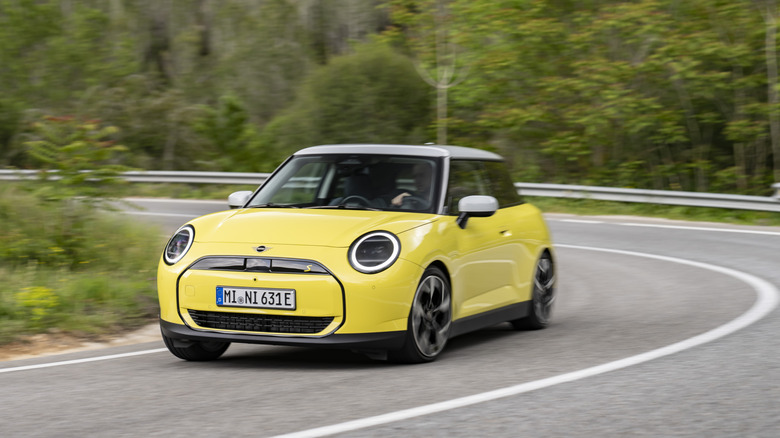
{"x":389,"y":250}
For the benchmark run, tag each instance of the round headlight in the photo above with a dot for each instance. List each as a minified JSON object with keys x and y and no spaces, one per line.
{"x":179,"y":244}
{"x":374,"y":252}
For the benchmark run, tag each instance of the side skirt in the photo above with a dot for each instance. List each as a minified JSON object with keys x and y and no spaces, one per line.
{"x":489,"y":318}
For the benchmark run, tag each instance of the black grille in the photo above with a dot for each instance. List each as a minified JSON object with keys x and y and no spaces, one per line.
{"x":260,"y":323}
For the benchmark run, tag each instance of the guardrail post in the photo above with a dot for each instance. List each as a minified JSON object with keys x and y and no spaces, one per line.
{"x":776,"y":186}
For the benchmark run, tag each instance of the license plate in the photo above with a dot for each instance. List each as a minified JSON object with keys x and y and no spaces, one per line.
{"x":256,"y":297}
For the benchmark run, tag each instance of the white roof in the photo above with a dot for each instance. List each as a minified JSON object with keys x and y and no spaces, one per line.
{"x":456,"y":152}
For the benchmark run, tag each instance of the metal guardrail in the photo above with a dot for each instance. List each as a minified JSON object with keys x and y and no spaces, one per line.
{"x":690,"y":199}
{"x":161,"y":176}
{"x":665,"y":197}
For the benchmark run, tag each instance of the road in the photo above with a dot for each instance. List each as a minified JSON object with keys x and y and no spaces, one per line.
{"x":662,"y":328}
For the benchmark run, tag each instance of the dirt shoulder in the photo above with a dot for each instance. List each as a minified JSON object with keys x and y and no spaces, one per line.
{"x":58,"y":343}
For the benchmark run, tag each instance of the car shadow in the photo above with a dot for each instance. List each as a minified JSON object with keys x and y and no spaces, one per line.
{"x":250,"y":356}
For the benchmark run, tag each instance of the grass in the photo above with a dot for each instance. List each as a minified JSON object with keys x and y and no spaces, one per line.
{"x":71,"y":269}
{"x":589,"y":207}
{"x":183,"y":191}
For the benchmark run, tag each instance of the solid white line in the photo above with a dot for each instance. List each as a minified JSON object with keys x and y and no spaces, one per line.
{"x":721,"y":230}
{"x":767,"y":299}
{"x":178,"y":201}
{"x":78,"y":361}
{"x":673,"y":227}
{"x":147,"y":213}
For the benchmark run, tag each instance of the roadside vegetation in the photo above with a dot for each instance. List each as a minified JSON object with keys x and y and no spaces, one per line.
{"x":68,"y":263}
{"x":590,"y":207}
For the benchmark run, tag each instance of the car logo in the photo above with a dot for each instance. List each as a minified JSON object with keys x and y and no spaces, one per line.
{"x":261,"y":248}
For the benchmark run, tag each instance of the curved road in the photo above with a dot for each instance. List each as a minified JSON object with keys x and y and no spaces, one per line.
{"x":628,"y":286}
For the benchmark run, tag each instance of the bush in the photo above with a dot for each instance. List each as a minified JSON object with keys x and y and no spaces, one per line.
{"x":371,"y":96}
{"x":67,"y":266}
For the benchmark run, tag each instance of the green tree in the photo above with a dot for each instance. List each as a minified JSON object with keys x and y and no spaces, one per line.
{"x":371,"y":96}
{"x":77,"y":158}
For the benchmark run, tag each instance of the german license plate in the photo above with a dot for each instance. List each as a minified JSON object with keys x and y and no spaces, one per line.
{"x":260,"y":298}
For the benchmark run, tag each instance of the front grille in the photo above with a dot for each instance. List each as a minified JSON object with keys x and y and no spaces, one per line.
{"x":260,"y":323}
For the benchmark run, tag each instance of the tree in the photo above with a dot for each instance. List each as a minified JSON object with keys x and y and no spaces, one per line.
{"x":428,"y":28}
{"x":371,"y":96}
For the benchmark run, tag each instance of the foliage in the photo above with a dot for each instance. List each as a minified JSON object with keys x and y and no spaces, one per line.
{"x":227,"y":129}
{"x":77,"y":158}
{"x":89,"y":272}
{"x":649,"y":93}
{"x":679,"y":88}
{"x":371,"y":96}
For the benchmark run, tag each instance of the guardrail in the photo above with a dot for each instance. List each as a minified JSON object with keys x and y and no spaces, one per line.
{"x":666,"y":197}
{"x":160,"y":176}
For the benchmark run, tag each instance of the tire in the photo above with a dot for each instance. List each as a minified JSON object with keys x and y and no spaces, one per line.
{"x":429,"y":322}
{"x":542,"y":298}
{"x":195,"y":350}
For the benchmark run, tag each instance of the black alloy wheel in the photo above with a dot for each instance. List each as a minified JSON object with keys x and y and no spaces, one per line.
{"x":430,"y":319}
{"x":542,"y":298}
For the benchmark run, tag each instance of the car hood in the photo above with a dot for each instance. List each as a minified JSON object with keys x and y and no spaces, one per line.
{"x":268,"y":226}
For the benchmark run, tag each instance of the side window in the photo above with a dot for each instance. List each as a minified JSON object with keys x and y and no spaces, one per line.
{"x":466,"y":178}
{"x":501,"y":185}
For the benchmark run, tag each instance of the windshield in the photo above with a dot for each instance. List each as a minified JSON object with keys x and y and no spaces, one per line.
{"x":375,"y":182}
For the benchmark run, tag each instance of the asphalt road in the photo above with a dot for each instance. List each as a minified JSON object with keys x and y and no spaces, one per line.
{"x":661,"y":329}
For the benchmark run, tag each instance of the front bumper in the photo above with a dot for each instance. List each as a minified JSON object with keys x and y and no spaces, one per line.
{"x":359,"y":341}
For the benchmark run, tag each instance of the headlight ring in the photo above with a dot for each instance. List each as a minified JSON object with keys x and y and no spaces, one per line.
{"x":179,"y":244}
{"x":374,"y":252}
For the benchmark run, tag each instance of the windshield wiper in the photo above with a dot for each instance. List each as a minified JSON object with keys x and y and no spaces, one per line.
{"x":345,"y":207}
{"x":272,"y":205}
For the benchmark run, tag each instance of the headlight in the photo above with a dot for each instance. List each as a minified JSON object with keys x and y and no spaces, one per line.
{"x":374,"y":252}
{"x":179,"y":244}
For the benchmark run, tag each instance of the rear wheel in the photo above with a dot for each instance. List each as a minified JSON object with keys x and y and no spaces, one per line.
{"x":195,"y":350}
{"x":429,"y":322}
{"x":542,"y":298}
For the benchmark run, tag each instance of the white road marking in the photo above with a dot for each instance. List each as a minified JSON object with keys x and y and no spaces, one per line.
{"x":178,"y":201}
{"x":147,"y":213}
{"x":721,"y":230}
{"x":672,"y":227}
{"x":78,"y":361}
{"x":767,"y":299}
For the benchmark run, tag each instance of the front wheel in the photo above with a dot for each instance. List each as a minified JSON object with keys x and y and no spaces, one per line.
{"x":430,"y":317}
{"x":195,"y":350}
{"x":542,"y":298}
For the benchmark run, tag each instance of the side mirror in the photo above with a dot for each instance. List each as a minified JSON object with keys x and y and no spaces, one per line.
{"x":475,"y":206}
{"x":238,"y":199}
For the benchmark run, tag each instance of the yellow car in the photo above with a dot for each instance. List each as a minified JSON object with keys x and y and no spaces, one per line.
{"x":389,"y":250}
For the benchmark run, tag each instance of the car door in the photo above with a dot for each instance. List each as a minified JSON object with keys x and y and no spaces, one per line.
{"x":483,"y":264}
{"x":520,"y":233}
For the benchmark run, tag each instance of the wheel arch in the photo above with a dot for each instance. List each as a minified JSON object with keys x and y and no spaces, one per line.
{"x":443,"y":267}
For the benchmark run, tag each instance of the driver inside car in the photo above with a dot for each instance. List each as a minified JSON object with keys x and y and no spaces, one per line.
{"x":422,"y":174}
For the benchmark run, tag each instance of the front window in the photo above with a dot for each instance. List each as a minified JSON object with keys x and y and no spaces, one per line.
{"x":354,"y":181}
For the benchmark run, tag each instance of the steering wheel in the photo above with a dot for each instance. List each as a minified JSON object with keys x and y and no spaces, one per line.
{"x":360,"y":200}
{"x":415,"y":203}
